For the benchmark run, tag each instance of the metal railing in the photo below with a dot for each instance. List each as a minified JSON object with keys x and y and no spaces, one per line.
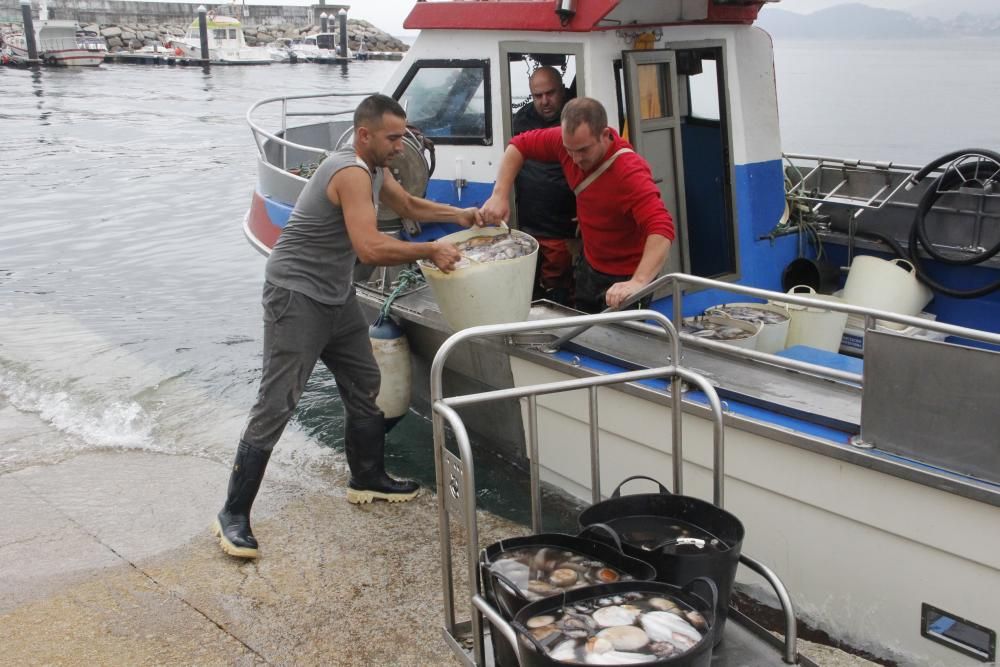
{"x":678,"y":281}
{"x":260,"y":134}
{"x":455,"y":474}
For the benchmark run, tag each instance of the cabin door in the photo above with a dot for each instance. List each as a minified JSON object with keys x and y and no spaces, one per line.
{"x":654,"y":128}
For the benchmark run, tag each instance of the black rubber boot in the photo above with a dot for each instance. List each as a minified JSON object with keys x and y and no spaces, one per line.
{"x":232,"y":525}
{"x":364,"y":443}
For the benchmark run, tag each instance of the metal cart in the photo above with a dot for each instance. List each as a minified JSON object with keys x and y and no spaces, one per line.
{"x":745,"y":643}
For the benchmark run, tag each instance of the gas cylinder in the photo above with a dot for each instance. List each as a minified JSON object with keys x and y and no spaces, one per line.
{"x":392,"y":354}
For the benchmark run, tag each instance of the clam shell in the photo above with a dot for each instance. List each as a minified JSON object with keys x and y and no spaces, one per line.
{"x":614,"y":615}
{"x":539,"y":621}
{"x":625,"y":637}
{"x":563,"y":577}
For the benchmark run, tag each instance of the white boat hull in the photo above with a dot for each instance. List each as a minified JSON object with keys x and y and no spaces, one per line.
{"x":898,"y":543}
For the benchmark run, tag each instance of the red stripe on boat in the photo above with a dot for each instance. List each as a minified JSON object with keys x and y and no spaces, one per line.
{"x":259,"y":222}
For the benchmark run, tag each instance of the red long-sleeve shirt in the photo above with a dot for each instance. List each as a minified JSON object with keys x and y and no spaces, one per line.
{"x":618,"y":211}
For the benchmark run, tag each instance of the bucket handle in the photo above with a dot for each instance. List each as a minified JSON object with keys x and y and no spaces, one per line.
{"x":617,"y":492}
{"x":713,"y":591}
{"x":808,"y":289}
{"x":904,"y":264}
{"x":511,"y":588}
{"x":604,"y":528}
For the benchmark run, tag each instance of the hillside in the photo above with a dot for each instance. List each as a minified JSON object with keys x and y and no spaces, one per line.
{"x":858,"y":21}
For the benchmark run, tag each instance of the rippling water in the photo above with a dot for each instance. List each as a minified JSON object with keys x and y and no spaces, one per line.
{"x":129,"y":299}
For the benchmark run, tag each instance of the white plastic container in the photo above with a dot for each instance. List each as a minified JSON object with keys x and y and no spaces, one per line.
{"x":494,"y":292}
{"x":751,"y":330}
{"x":772,"y":335}
{"x":889,"y":285}
{"x":815,"y":327}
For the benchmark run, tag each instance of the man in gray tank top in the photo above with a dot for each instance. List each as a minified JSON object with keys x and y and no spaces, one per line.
{"x":311,"y":312}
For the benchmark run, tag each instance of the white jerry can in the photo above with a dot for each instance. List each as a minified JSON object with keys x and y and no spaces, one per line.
{"x":392,"y":354}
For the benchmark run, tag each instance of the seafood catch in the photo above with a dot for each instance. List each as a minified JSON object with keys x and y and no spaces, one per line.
{"x":482,"y":249}
{"x":752,"y":314}
{"x":631,"y":628}
{"x":539,"y":572}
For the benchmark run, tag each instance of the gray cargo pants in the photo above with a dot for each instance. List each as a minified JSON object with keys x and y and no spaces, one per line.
{"x":298,"y":331}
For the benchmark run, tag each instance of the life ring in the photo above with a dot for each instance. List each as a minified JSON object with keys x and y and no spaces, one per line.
{"x":178,"y":51}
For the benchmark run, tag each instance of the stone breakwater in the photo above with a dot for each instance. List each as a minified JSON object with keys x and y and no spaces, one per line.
{"x":130,"y":37}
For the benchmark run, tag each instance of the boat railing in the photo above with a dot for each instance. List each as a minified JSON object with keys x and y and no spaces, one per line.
{"x":260,"y":135}
{"x":827,"y":195}
{"x":679,"y":282}
{"x":455,"y":474}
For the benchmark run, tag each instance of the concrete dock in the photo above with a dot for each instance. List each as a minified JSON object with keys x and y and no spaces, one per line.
{"x":107,"y":558}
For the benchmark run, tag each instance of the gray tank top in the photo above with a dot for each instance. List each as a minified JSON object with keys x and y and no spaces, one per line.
{"x":314,"y":255}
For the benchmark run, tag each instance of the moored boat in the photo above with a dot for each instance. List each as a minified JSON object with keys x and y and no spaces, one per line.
{"x":226,"y":43}
{"x":57,"y":44}
{"x":859,"y":479}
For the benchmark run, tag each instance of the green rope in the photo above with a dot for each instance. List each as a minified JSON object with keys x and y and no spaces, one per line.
{"x":405,"y":279}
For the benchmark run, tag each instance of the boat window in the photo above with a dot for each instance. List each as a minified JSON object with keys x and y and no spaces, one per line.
{"x":521,"y":65}
{"x":219,"y":33}
{"x":327,"y":42}
{"x":232,"y":33}
{"x":448,"y":100}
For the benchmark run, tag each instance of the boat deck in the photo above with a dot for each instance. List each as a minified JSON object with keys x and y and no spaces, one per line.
{"x":816,"y":413}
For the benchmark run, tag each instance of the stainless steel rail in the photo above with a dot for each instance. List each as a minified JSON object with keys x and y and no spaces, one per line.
{"x":259,"y":131}
{"x":678,"y":281}
{"x":455,"y":474}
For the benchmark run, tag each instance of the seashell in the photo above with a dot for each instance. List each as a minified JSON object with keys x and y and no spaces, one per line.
{"x":539,"y":621}
{"x":563,"y":577}
{"x":617,"y":658}
{"x":604,"y":602}
{"x":538,"y":562}
{"x":544,"y":632}
{"x":668,"y":627}
{"x":625,"y":637}
{"x":663,"y":649}
{"x":618,"y":599}
{"x":583,"y":608}
{"x":696,"y":619}
{"x":633,"y":595}
{"x":599,"y":645}
{"x":663,"y":604}
{"x":541,"y":587}
{"x":614,"y":615}
{"x":564,"y":651}
{"x":607,"y":575}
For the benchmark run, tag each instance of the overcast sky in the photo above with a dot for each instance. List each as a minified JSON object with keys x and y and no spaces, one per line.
{"x":389,"y":14}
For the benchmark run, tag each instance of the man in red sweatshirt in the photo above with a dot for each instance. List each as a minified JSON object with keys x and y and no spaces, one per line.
{"x":625,"y":227}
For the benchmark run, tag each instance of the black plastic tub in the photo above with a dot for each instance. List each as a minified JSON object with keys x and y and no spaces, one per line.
{"x":506,"y":598}
{"x":682,"y":537}
{"x":704,"y":602}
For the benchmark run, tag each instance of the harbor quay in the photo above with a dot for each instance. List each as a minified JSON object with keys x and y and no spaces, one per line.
{"x":128,"y":28}
{"x":99,"y":569}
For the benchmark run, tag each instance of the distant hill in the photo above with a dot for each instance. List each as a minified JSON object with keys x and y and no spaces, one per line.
{"x":858,"y":21}
{"x":952,"y":8}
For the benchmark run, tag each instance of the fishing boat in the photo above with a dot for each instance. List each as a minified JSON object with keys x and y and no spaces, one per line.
{"x":57,"y":44}
{"x":867,"y":473}
{"x":226,"y":43}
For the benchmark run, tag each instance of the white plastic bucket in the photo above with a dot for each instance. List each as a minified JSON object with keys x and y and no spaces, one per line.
{"x":751,"y":330}
{"x":889,"y":285}
{"x":772,"y":335}
{"x":488,"y":293}
{"x":815,"y":327}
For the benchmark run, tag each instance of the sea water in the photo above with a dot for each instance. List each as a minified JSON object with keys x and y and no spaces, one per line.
{"x":130,"y":313}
